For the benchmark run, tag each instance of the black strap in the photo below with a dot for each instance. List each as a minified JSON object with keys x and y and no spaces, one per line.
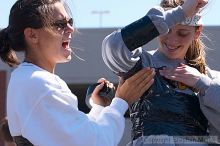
{"x":139,"y":33}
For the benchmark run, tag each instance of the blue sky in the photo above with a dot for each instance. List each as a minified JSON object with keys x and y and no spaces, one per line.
{"x":119,"y":12}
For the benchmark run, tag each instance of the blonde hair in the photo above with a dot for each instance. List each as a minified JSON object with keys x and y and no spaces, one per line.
{"x":195,"y":56}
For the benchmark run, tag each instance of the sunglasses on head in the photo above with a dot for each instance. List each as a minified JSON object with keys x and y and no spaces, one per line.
{"x":62,"y":24}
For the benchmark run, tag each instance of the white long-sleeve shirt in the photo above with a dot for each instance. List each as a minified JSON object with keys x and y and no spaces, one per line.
{"x":41,"y":108}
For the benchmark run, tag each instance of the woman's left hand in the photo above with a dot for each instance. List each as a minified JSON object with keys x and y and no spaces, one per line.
{"x":183,"y":73}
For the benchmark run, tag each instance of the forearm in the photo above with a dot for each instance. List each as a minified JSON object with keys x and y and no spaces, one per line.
{"x":156,"y":22}
{"x":95,"y":111}
{"x":121,"y":50}
{"x":209,"y":91}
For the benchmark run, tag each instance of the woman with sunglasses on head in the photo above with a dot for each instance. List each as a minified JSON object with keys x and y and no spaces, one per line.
{"x":41,"y":109}
{"x":182,"y":83}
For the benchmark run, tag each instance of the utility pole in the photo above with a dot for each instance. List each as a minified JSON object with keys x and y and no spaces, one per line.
{"x":100,"y":13}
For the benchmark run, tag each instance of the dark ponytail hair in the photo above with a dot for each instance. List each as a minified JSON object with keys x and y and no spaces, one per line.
{"x":23,"y":14}
{"x":6,"y":53}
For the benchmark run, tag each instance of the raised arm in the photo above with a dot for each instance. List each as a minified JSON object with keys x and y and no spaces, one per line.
{"x":120,"y":49}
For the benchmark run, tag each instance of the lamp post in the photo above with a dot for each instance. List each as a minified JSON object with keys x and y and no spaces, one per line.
{"x":100,"y":13}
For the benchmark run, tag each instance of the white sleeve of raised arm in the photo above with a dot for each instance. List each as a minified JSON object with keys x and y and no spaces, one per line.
{"x":163,"y":20}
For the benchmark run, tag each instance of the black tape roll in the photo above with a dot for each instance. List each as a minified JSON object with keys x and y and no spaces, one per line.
{"x":105,"y":92}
